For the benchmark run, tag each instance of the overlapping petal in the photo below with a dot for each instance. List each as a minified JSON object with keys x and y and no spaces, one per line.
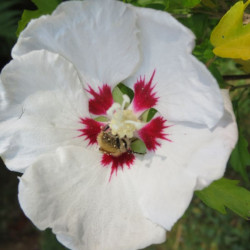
{"x":70,"y":192}
{"x":159,"y":185}
{"x":183,"y":83}
{"x":44,"y":100}
{"x":165,"y":181}
{"x":80,"y":48}
{"x":111,"y":54}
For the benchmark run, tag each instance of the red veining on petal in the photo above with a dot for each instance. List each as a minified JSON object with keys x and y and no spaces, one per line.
{"x":116,"y":162}
{"x":152,"y":132}
{"x":91,"y":130}
{"x":101,"y":100}
{"x":144,"y":97}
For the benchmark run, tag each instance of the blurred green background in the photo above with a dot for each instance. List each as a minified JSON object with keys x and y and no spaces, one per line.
{"x":200,"y":228}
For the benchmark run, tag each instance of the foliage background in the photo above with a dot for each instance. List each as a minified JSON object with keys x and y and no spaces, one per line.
{"x":201,"y":227}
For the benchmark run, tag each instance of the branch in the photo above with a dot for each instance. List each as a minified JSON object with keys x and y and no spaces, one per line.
{"x":232,"y":87}
{"x":211,"y":61}
{"x":235,"y":77}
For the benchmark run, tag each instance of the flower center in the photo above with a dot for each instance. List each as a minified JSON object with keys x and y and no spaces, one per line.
{"x":123,"y":121}
{"x":116,"y":137}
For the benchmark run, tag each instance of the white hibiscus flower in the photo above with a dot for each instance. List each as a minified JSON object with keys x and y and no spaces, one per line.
{"x":84,"y":179}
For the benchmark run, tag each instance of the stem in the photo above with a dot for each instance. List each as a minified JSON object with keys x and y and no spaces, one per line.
{"x":211,"y":61}
{"x":233,"y":87}
{"x":239,"y":86}
{"x":235,"y":77}
{"x":211,"y":14}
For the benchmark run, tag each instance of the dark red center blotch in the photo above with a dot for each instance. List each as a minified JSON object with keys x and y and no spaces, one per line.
{"x":152,"y":132}
{"x":144,"y":95}
{"x":91,"y":130}
{"x":144,"y":98}
{"x":101,"y":100}
{"x":116,"y":162}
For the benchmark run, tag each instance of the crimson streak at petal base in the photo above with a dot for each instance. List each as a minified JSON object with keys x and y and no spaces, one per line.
{"x":91,"y":130}
{"x":101,"y":101}
{"x":116,"y":162}
{"x":114,"y":142}
{"x":144,"y":97}
{"x":152,"y":132}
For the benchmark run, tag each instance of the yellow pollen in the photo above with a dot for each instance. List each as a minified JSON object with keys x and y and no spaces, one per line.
{"x":124,"y":123}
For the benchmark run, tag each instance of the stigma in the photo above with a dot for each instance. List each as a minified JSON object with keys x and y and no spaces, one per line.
{"x":123,"y":122}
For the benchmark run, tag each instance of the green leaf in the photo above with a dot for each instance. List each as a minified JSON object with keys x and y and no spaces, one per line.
{"x":240,"y":157}
{"x":204,"y":51}
{"x":126,"y":91}
{"x":216,"y":73}
{"x":148,"y":115}
{"x":8,"y":21}
{"x":46,"y":5}
{"x":101,"y":119}
{"x":43,"y":7}
{"x":154,"y":4}
{"x":49,"y":241}
{"x":197,"y":23}
{"x":120,"y":90}
{"x":183,"y":4}
{"x":190,"y":3}
{"x":225,"y":193}
{"x":138,"y":146}
{"x":117,"y":95}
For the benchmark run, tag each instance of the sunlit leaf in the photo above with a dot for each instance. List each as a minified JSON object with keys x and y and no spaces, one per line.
{"x":119,"y":91}
{"x":230,"y":37}
{"x":183,"y":3}
{"x":138,"y":146}
{"x":148,"y":115}
{"x":117,"y":95}
{"x":225,"y":193}
{"x":101,"y":119}
{"x":126,"y":91}
{"x":43,"y":8}
{"x":156,"y":4}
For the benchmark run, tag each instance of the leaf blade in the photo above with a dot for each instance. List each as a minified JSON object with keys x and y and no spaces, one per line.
{"x":43,"y":8}
{"x":230,"y":37}
{"x":225,"y":193}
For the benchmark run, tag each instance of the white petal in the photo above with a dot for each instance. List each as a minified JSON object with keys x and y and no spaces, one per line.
{"x":187,"y":90}
{"x":165,"y":188}
{"x":209,"y":162}
{"x":98,"y":37}
{"x":70,"y":192}
{"x":195,"y":157}
{"x":43,"y":100}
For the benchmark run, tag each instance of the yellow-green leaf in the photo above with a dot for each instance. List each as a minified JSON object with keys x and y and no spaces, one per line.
{"x":138,"y":146}
{"x":226,"y":193}
{"x":101,"y":119}
{"x":245,"y":65}
{"x":230,"y":37}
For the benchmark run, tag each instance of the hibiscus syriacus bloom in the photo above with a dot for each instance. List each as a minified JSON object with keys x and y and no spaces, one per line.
{"x":97,"y":169}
